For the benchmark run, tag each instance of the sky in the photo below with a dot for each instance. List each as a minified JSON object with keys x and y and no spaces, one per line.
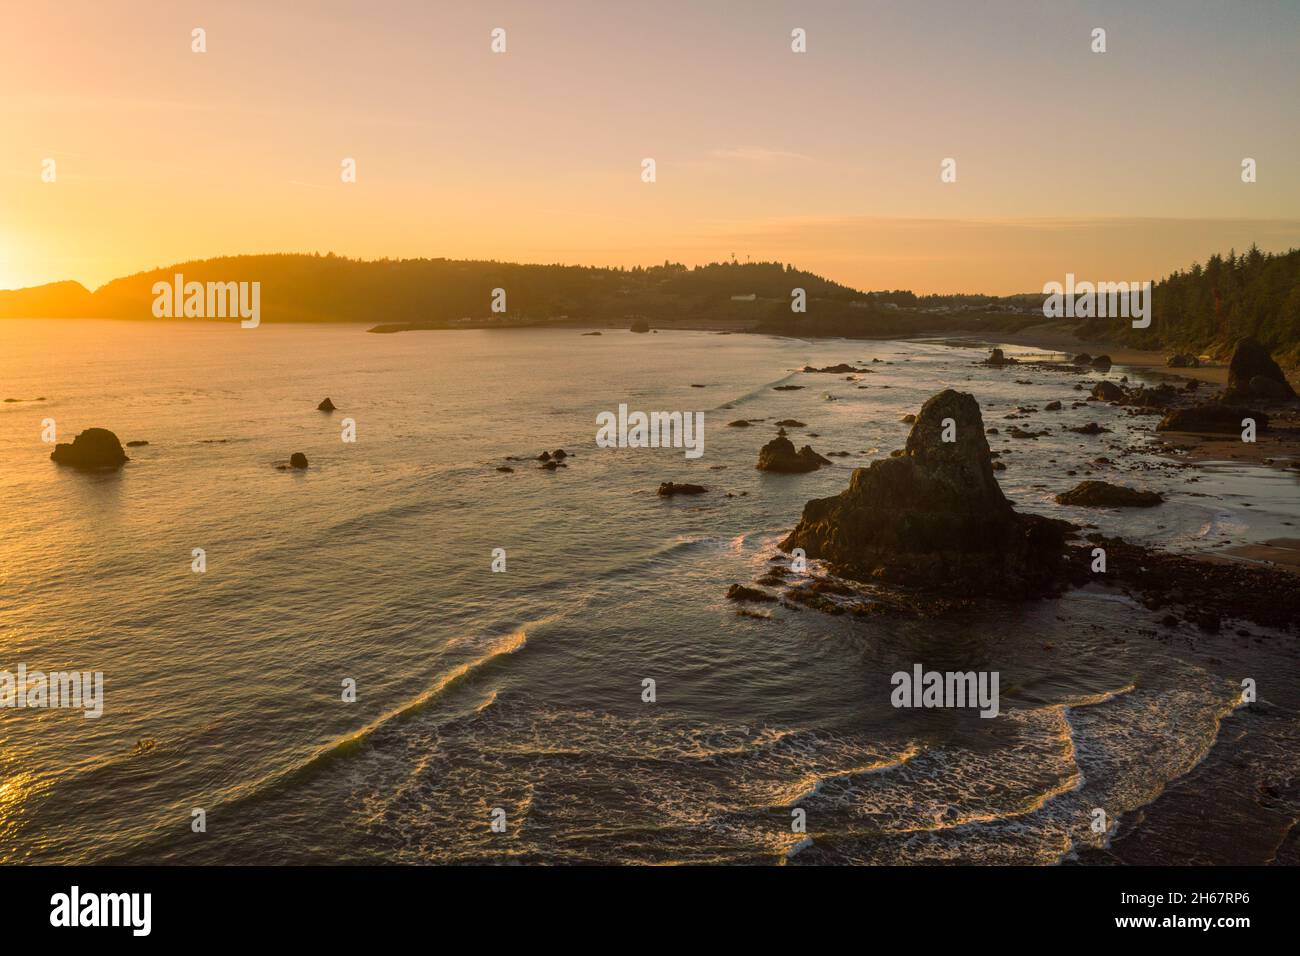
{"x":1114,"y":166}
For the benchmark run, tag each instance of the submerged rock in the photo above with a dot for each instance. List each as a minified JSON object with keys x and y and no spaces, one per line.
{"x":738,"y":592}
{"x":934,"y":517}
{"x":297,"y":460}
{"x":94,"y":448}
{"x":1102,"y":494}
{"x":779,"y":455}
{"x":668,"y":488}
{"x":834,"y":369}
{"x":326,"y":406}
{"x":1251,"y":361}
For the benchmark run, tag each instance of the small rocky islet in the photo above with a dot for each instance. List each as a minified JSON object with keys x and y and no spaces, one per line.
{"x":779,"y":455}
{"x":95,"y":449}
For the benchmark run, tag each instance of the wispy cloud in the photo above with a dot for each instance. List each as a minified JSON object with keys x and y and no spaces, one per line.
{"x":759,"y":154}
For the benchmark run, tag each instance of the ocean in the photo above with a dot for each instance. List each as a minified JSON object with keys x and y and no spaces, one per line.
{"x":518,"y":697}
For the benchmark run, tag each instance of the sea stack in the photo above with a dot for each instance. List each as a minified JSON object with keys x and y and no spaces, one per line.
{"x":1253,"y":374}
{"x":92,"y":449}
{"x":934,"y":517}
{"x":998,"y":358}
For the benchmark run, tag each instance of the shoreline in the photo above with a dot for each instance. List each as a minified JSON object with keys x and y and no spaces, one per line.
{"x":1055,"y":338}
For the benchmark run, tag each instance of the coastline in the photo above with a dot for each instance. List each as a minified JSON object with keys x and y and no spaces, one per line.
{"x":1278,"y":448}
{"x":1056,"y":337}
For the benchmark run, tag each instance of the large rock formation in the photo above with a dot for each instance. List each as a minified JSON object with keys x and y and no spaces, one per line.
{"x":779,"y":455}
{"x":1251,"y":361}
{"x":93,"y":448}
{"x":1213,"y":418}
{"x":934,"y":517}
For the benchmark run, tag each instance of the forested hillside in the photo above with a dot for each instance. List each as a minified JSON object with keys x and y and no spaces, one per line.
{"x":299,"y":288}
{"x":1203,"y":309}
{"x":1206,"y":308}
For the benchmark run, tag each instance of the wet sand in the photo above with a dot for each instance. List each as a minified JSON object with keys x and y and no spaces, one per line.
{"x":1279,"y":447}
{"x":1281,"y":553}
{"x":1059,"y":337}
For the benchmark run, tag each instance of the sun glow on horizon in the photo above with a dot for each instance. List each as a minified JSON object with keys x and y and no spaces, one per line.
{"x":534,"y":155}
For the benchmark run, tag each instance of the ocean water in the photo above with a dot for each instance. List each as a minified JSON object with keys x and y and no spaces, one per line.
{"x":521,"y":691}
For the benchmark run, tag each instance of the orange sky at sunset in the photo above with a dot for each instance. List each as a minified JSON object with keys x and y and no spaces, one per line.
{"x":1123,"y":165}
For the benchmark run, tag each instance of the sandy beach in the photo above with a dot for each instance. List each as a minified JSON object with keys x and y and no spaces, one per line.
{"x":1059,"y":337}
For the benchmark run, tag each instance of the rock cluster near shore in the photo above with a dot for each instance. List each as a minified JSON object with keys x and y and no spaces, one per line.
{"x":935,"y":517}
{"x":840,"y":369}
{"x":93,"y":449}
